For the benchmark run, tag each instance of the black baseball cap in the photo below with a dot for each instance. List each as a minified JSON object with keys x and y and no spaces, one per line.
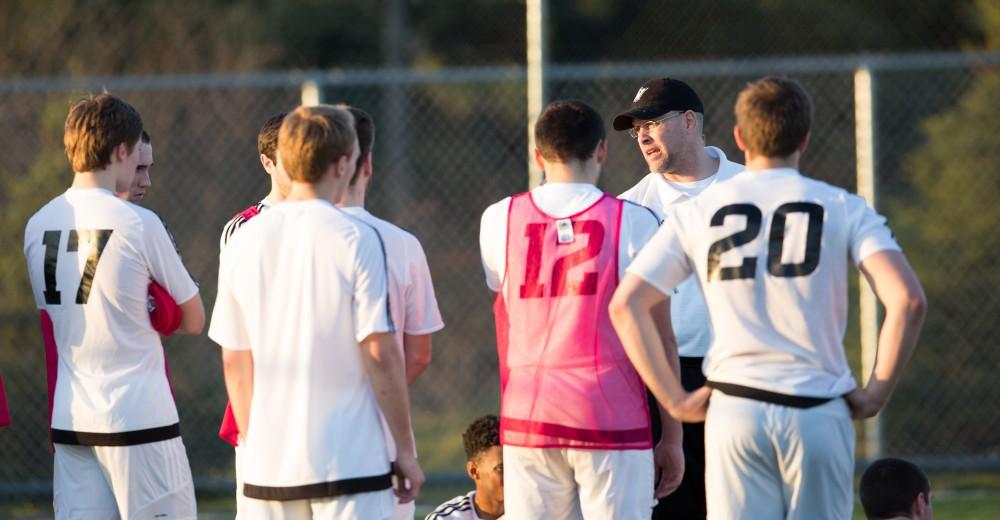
{"x":657,"y":97}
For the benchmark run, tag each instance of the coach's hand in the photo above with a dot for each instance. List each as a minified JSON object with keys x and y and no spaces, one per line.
{"x":693,"y":408}
{"x":409,"y":478}
{"x":863,"y":403}
{"x":669,"y":460}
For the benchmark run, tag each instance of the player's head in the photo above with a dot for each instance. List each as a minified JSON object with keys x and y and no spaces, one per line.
{"x":141,"y":182}
{"x":569,"y":132}
{"x":364,"y":126}
{"x":667,"y":121}
{"x":267,"y":149}
{"x":101,"y":132}
{"x":484,"y":456}
{"x":895,"y":488}
{"x":318,"y":140}
{"x":773,"y":116}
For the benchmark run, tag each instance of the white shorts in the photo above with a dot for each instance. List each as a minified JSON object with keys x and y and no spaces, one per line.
{"x":376,"y":505}
{"x":766,"y":461}
{"x":109,"y":482}
{"x":566,"y":483}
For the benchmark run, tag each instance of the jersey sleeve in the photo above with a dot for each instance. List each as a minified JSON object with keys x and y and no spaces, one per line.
{"x":371,"y":286}
{"x":663,"y":262}
{"x":164,"y":261}
{"x":228,"y":327}
{"x":639,"y":225}
{"x":493,"y":243}
{"x":422,"y":314}
{"x":869,"y":231}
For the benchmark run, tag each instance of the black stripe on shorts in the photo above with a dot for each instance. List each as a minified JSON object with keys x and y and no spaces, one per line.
{"x":348,"y":486}
{"x":131,"y":438}
{"x":794,"y":401}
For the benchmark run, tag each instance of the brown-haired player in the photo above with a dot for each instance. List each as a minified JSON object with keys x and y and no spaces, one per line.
{"x":91,"y":257}
{"x":574,"y":422}
{"x":309,"y":352}
{"x":411,"y":291}
{"x":770,"y":248}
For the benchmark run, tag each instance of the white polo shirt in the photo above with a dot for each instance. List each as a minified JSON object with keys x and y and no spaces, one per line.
{"x":91,"y":257}
{"x":688,"y":313}
{"x":770,"y":250}
{"x":560,"y":200}
{"x":300,"y":286}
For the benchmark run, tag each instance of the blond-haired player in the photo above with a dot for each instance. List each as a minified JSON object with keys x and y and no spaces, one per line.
{"x":770,"y":248}
{"x":309,"y":351}
{"x":91,"y":257}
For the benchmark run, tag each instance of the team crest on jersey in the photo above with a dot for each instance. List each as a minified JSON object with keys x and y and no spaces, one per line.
{"x":639,"y":94}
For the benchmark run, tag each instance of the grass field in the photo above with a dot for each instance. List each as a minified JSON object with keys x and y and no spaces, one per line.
{"x":966,"y":496}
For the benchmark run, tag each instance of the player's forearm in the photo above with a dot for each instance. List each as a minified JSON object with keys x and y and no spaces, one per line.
{"x":660,"y":313}
{"x":417,"y":353}
{"x":897,"y":341}
{"x":237,"y":367}
{"x":192,"y":316}
{"x":637,"y":331}
{"x":384,"y":365}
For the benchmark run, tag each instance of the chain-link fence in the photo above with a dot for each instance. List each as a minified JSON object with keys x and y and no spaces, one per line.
{"x":453,"y":141}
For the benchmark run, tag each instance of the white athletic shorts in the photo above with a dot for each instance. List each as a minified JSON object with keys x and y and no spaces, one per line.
{"x":110,"y":482}
{"x":765,"y":461}
{"x":566,"y":483}
{"x":375,"y":505}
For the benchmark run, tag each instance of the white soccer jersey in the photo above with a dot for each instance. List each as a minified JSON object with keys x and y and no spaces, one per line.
{"x":459,"y":508}
{"x":560,"y":200}
{"x":688,"y":313}
{"x":91,"y":257}
{"x":770,"y":251}
{"x":300,"y":286}
{"x":411,"y":291}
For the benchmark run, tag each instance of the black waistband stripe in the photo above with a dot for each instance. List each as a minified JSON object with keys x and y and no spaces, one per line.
{"x":131,"y":438}
{"x":335,"y":488}
{"x":794,"y":401}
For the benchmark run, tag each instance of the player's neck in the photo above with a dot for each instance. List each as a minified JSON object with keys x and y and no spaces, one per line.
{"x":576,"y":172}
{"x":327,"y":189}
{"x":759,"y":163}
{"x":487,"y":509}
{"x":275,"y":195}
{"x":104,"y":179}
{"x":353,"y":197}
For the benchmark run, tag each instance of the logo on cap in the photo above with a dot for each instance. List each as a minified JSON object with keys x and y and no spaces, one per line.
{"x":639,"y":94}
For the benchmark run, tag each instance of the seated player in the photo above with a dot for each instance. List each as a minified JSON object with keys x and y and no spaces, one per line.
{"x":894,"y":489}
{"x":484,"y":464}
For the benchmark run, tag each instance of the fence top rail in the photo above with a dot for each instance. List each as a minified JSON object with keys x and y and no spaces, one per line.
{"x":500,"y":73}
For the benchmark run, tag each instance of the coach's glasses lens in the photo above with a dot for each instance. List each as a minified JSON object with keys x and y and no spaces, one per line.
{"x":649,"y":126}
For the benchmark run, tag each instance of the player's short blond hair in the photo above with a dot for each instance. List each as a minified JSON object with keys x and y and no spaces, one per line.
{"x":773,"y":115}
{"x":312,"y":138}
{"x":95,"y":126}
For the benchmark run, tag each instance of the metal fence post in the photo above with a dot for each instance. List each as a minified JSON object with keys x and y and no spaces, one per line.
{"x":537,"y":18}
{"x":865,"y":139}
{"x":312,"y":93}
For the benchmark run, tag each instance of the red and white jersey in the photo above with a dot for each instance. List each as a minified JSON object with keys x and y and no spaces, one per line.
{"x":565,"y":378}
{"x":91,"y":257}
{"x":688,"y":313}
{"x":299,"y":286}
{"x":239,"y":219}
{"x":770,"y":250}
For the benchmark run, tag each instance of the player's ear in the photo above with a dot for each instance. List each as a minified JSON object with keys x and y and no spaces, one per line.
{"x":538,"y":160}
{"x":472,"y":470}
{"x":368,"y":167}
{"x":740,"y":143}
{"x":602,"y":151}
{"x":267,"y":163}
{"x":805,"y":143}
{"x":120,"y":152}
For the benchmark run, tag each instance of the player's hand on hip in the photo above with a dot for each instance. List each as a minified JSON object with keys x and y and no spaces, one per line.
{"x":862,"y":403}
{"x":668,"y":458}
{"x":694,"y":406}
{"x":408,"y":477}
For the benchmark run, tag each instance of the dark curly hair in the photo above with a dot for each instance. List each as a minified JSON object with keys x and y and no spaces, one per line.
{"x":481,"y":435}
